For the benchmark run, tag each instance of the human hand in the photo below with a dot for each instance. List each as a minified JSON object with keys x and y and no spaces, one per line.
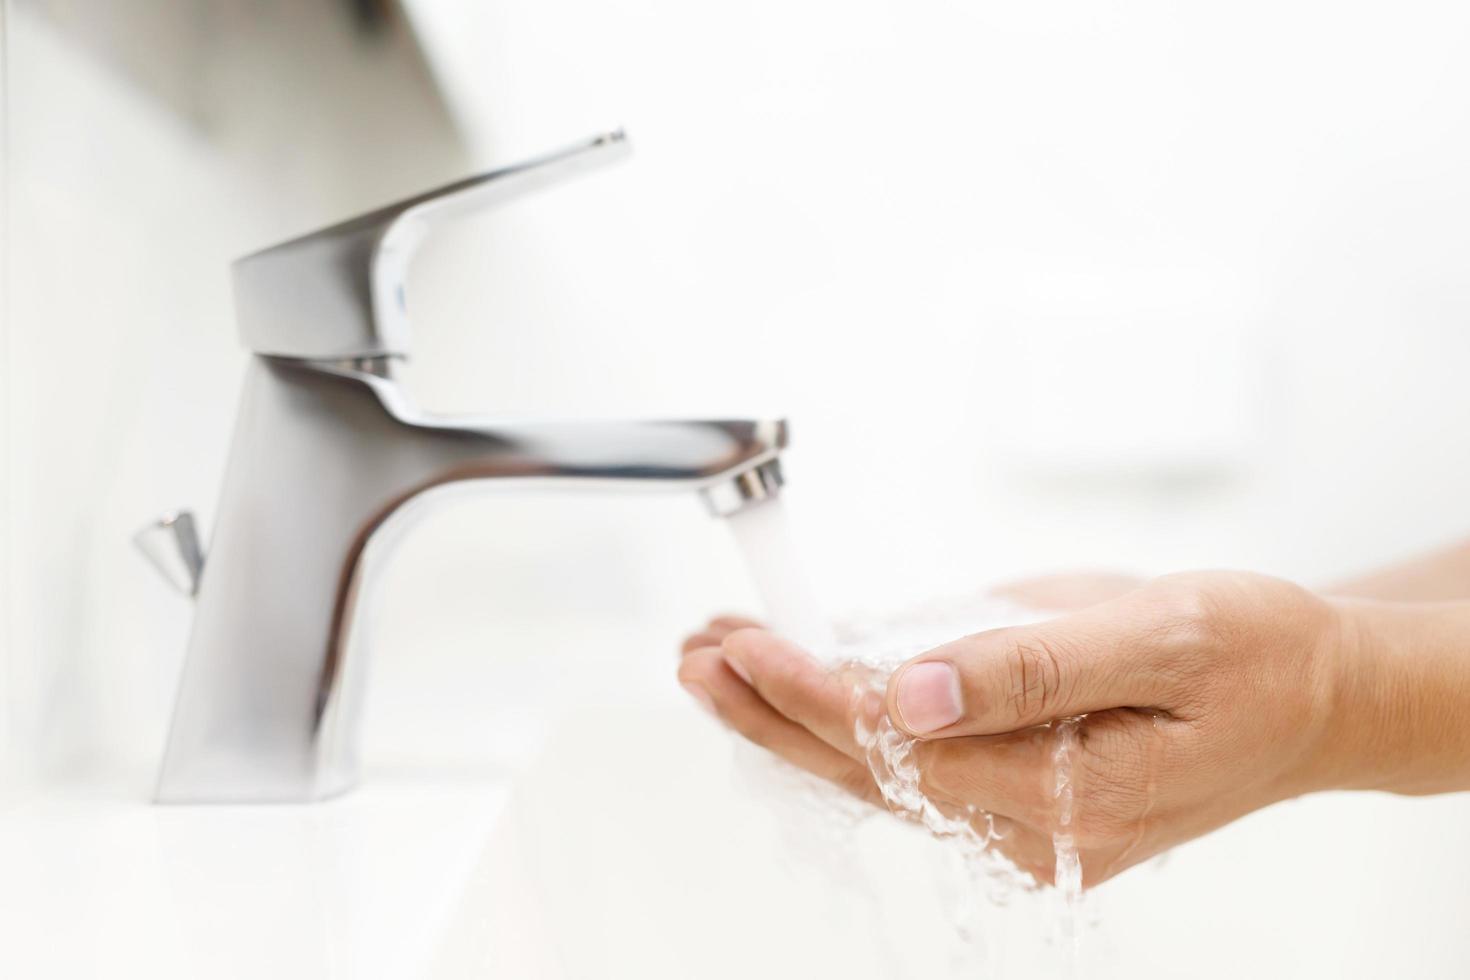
{"x":1206,"y":696}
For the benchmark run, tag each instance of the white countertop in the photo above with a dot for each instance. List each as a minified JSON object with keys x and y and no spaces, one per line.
{"x":96,"y":884}
{"x":640,"y":844}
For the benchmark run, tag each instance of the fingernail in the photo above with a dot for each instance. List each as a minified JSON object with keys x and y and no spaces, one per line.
{"x":929,"y":697}
{"x":740,"y":671}
{"x":702,"y":696}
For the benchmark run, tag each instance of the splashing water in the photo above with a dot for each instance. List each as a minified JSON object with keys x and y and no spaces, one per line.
{"x":866,"y":652}
{"x":1068,"y":873}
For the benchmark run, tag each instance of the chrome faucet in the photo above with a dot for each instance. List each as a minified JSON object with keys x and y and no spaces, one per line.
{"x":328,"y":450}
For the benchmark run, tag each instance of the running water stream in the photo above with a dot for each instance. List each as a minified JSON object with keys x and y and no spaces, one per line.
{"x":867,"y":652}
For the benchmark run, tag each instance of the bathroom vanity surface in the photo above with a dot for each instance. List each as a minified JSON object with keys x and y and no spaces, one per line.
{"x":98,"y":885}
{"x":634,"y":840}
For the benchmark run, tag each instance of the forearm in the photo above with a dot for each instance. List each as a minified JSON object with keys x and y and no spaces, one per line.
{"x":1441,"y":576}
{"x":1402,"y":709}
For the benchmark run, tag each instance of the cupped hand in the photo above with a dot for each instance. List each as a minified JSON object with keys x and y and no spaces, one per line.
{"x":1205,"y":696}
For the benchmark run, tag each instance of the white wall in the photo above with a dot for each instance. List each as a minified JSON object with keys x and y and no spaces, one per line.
{"x":10,"y":756}
{"x":1039,"y":284}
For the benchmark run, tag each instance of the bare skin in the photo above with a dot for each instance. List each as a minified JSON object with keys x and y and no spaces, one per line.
{"x":1207,"y":696}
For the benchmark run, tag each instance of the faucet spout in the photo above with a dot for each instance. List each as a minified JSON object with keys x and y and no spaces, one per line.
{"x":690,"y":454}
{"x":324,"y":456}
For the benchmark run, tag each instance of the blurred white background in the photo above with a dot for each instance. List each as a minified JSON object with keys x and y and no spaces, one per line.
{"x":1133,"y":285}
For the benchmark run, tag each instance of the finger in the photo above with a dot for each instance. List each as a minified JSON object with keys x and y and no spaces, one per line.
{"x":730,"y":622}
{"x":798,"y":686}
{"x":705,"y":673}
{"x":698,"y":641}
{"x":1112,"y":655}
{"x":715,"y":632}
{"x":1010,"y":774}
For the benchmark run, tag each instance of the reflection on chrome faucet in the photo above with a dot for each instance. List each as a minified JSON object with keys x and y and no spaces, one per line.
{"x":327,"y":450}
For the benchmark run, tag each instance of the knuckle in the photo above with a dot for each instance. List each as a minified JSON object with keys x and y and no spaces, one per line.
{"x":1034,"y":676}
{"x":1189,"y":622}
{"x":1183,"y":608}
{"x":1212,"y":613}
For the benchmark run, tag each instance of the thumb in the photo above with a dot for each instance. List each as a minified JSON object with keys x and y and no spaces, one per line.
{"x":1008,"y":679}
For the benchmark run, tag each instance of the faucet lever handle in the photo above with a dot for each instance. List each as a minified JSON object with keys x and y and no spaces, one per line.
{"x":337,"y":294}
{"x":171,"y":543}
{"x":493,"y":187}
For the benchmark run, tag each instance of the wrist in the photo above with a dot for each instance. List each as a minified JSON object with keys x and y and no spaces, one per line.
{"x":1398,"y":717}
